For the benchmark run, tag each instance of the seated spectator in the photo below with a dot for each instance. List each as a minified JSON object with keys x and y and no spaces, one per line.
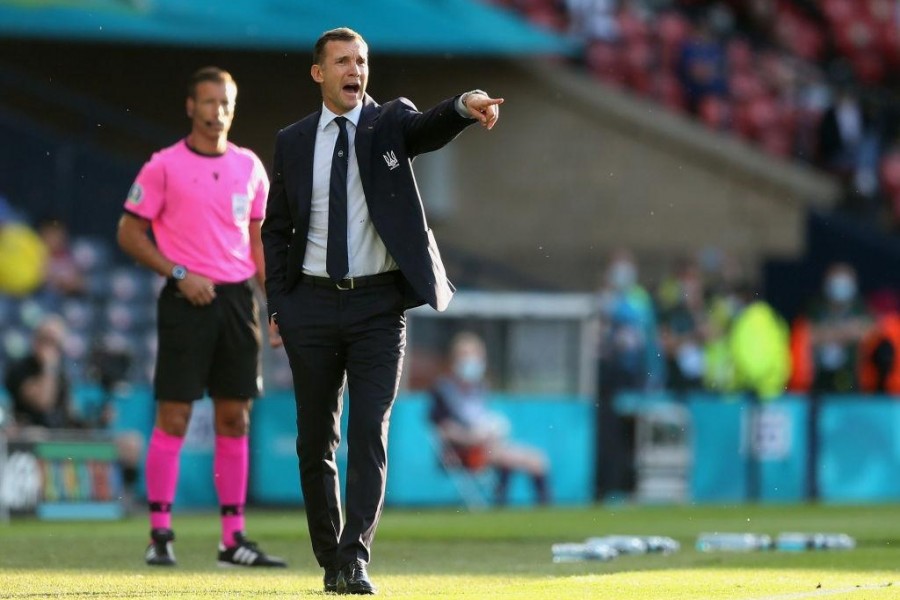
{"x":41,"y":396}
{"x":63,"y":276}
{"x":702,"y":66}
{"x":839,"y":320}
{"x":476,"y":435}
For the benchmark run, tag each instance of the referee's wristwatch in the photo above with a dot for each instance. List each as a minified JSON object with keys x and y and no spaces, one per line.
{"x":179,"y":272}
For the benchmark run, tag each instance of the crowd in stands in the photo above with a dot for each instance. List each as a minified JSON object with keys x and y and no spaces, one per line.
{"x":702,"y":327}
{"x":108,"y":305}
{"x":705,"y":329}
{"x":810,"y":80}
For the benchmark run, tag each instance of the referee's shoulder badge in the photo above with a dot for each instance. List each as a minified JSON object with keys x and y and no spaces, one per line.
{"x":136,"y":194}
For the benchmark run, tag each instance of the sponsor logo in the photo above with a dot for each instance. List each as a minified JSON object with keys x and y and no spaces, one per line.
{"x":240,"y":207}
{"x":135,"y":194}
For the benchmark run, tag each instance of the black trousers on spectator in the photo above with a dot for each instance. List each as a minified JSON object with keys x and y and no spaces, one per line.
{"x":335,"y":338}
{"x":615,"y":469}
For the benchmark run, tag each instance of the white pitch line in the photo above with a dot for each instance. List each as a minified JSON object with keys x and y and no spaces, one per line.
{"x":820,"y":593}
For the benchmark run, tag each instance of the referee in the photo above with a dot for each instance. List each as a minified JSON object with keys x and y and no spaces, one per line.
{"x":204,"y":199}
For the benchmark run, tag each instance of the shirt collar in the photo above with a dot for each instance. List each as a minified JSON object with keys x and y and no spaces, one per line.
{"x":328,"y":116}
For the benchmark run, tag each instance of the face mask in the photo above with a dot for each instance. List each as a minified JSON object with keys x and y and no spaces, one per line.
{"x":470,"y":369}
{"x":622,"y":275}
{"x":840,"y":288}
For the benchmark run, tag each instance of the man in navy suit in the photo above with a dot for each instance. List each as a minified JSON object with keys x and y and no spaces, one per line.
{"x":348,"y":250}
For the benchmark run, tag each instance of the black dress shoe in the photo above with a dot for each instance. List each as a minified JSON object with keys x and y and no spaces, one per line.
{"x":353,"y":579}
{"x":330,"y":579}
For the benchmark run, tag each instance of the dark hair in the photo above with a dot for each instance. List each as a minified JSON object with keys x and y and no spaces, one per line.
{"x":214,"y":74}
{"x":341,"y":34}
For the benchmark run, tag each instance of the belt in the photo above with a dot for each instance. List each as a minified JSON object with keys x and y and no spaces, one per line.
{"x":352,"y":283}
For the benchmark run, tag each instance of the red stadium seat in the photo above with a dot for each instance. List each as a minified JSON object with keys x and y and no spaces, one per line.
{"x":869,"y":67}
{"x":715,"y":113}
{"x":669,"y":93}
{"x":639,"y":58}
{"x":740,"y":56}
{"x":890,"y":176}
{"x":746,"y":86}
{"x":603,"y":60}
{"x":632,"y":27}
{"x":838,"y":11}
{"x":776,"y":142}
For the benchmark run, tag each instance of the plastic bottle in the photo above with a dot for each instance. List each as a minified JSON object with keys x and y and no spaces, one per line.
{"x":733,"y":542}
{"x":624,"y":544}
{"x":798,"y":542}
{"x":573,"y":552}
{"x":661,"y":544}
{"x":836,"y":541}
{"x":794,"y":542}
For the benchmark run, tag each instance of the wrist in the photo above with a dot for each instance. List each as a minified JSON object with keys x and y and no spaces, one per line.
{"x":465,"y":97}
{"x":179,"y":272}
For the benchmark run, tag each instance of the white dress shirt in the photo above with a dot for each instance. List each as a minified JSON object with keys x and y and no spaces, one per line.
{"x":365,"y":250}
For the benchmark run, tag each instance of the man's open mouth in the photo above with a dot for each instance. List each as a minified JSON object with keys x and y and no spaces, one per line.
{"x":353,"y":88}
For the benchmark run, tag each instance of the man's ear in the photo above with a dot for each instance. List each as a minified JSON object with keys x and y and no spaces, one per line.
{"x":189,"y":108}
{"x":316,"y":72}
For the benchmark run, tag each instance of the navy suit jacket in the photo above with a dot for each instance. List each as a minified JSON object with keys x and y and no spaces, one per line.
{"x":395,"y":130}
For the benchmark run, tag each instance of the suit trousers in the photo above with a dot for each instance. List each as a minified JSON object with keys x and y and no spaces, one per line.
{"x":337,"y":338}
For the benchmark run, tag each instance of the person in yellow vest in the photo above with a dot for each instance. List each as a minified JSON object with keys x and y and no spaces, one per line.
{"x":753,"y":355}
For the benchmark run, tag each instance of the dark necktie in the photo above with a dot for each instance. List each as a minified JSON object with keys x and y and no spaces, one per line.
{"x":336,"y":262}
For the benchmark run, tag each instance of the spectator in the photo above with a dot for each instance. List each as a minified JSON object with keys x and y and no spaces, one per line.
{"x":839,"y":321}
{"x":758,"y":347}
{"x":683,"y":330}
{"x":702,"y":66}
{"x":629,"y":352}
{"x":849,"y":146}
{"x":629,"y":359}
{"x":475,"y":435}
{"x":594,"y":19}
{"x":63,"y":276}
{"x":41,"y":397}
{"x":748,"y":350}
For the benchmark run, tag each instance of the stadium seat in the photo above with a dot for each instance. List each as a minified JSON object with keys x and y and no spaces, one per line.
{"x":79,"y":313}
{"x":669,"y":93}
{"x":715,"y":113}
{"x":603,"y":61}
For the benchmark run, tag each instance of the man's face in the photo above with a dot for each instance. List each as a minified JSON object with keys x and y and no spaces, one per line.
{"x":212,"y":108}
{"x":342,"y":74}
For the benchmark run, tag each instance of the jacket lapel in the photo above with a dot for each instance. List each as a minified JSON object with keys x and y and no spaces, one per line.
{"x":363,"y":145}
{"x":301,"y":165}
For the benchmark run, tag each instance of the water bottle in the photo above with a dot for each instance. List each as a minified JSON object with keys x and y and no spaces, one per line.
{"x":661,"y":544}
{"x":623,"y":544}
{"x":797,"y":542}
{"x":572,"y":552}
{"x":834,"y":541}
{"x":733,"y":542}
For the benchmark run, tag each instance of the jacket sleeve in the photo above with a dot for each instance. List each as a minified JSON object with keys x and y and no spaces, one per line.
{"x":277,"y":228}
{"x":431,"y":130}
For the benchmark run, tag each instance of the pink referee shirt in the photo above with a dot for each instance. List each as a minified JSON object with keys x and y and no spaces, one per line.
{"x":200,"y":208}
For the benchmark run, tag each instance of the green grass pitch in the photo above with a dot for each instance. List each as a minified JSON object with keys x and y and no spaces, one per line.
{"x":491,"y":555}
